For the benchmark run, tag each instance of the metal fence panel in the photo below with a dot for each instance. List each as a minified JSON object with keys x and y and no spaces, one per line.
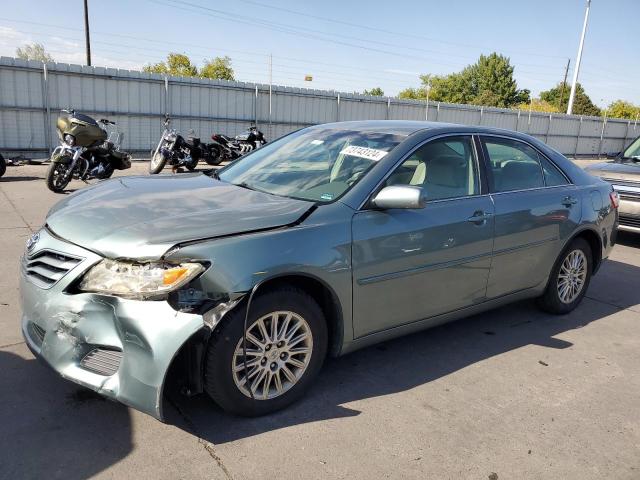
{"x":32,"y":94}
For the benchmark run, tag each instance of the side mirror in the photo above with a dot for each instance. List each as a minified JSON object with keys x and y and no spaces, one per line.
{"x":400,"y":196}
{"x":612,"y":154}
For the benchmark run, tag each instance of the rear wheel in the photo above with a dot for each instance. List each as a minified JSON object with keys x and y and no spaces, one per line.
{"x":157,"y":162}
{"x":215,"y":156}
{"x":56,"y":181}
{"x":569,"y":278}
{"x":286,"y":342}
{"x":3,"y":166}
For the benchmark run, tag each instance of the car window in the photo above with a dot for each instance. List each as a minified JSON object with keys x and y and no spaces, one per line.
{"x":514,"y":165}
{"x":444,"y":168}
{"x":552,"y":175}
{"x":318,"y":163}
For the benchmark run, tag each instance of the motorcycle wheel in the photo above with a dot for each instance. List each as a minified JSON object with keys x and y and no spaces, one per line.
{"x":3,"y":166}
{"x":214,"y":157}
{"x":56,"y":181}
{"x":191,"y":166}
{"x":157,"y":162}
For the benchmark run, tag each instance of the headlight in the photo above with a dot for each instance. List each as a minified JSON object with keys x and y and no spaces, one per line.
{"x":138,"y":280}
{"x":70,"y":140}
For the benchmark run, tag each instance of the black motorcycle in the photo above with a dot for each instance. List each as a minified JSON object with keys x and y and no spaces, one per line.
{"x":227,"y":148}
{"x":87,"y":150}
{"x":176,"y":150}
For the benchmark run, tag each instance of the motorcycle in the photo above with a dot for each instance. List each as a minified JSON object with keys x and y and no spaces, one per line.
{"x":3,"y":165}
{"x":87,"y":150}
{"x":176,"y":150}
{"x":227,"y":148}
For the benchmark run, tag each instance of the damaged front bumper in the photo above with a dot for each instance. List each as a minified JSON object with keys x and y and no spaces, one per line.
{"x":118,"y":347}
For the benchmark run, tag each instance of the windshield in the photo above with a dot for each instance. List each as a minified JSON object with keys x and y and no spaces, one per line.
{"x":633,"y":151}
{"x":318,"y":164}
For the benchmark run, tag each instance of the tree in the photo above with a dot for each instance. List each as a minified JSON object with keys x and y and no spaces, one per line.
{"x":34,"y":51}
{"x":218,"y":68}
{"x":538,"y":105}
{"x":177,"y":64}
{"x":374,"y":92}
{"x":623,"y":109}
{"x":488,"y":82}
{"x":582,"y":104}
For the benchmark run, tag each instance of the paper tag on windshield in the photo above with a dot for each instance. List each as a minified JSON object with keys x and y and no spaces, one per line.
{"x":364,"y":152}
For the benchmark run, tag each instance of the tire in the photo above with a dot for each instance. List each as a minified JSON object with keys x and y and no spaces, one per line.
{"x":225,"y":351}
{"x":54,"y":182}
{"x":215,"y":156}
{"x":559,"y":300}
{"x":3,"y":166}
{"x":191,"y":166}
{"x":157,"y":162}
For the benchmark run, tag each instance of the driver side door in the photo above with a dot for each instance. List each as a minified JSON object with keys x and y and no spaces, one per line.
{"x":410,"y":265}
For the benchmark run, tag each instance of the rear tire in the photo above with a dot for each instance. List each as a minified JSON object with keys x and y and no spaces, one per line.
{"x":215,"y":156}
{"x":55,"y":174}
{"x":569,"y":279}
{"x":3,"y":166}
{"x":294,"y":353}
{"x":157,"y":162}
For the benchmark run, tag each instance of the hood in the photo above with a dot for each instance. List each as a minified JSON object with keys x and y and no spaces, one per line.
{"x":627,"y":172}
{"x":142,"y":217}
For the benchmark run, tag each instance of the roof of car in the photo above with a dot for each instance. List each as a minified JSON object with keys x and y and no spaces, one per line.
{"x":408,"y":127}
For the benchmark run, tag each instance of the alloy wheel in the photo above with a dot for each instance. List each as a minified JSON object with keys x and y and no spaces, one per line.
{"x":278,"y":351}
{"x":572,"y":276}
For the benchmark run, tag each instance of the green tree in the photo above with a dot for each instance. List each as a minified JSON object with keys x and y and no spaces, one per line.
{"x":538,"y":105}
{"x":488,"y":82}
{"x":177,"y":64}
{"x":623,"y":109}
{"x":375,"y":92}
{"x":582,"y":104}
{"x":218,"y":68}
{"x":34,"y":51}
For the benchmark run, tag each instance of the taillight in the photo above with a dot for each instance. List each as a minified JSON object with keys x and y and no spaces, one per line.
{"x":615,"y":199}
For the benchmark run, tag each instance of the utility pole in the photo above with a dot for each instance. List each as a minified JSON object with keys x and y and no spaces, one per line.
{"x":577,"y":69}
{"x":86,"y":32}
{"x":564,"y":83}
{"x":270,"y":91}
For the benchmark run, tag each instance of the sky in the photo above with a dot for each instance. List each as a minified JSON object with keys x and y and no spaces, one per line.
{"x":346,"y":45}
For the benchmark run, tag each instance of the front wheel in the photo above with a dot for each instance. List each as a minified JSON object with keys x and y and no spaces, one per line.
{"x":57,"y":177}
{"x":569,"y":279}
{"x":157,"y":162}
{"x":286,"y":342}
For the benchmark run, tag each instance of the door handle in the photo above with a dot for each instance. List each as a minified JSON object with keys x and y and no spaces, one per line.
{"x":568,"y":201}
{"x":480,"y":217}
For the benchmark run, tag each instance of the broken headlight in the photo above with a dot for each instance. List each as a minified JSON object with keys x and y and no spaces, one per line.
{"x":138,"y":280}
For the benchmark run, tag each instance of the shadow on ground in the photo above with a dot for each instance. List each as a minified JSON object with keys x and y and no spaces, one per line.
{"x":19,"y":179}
{"x":407,"y":362}
{"x":51,"y":428}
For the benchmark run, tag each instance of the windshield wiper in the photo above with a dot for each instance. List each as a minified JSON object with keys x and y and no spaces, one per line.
{"x":247,"y":186}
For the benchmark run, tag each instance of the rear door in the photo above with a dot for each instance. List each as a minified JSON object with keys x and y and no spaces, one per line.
{"x":409,"y":265}
{"x":534,"y":205}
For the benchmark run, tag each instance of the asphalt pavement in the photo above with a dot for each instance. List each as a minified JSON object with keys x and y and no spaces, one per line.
{"x":509,"y":394}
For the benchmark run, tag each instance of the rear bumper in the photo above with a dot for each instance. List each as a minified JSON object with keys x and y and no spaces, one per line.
{"x":117,"y":347}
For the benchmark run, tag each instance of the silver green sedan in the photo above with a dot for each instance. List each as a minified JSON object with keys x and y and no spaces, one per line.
{"x":329,"y":239}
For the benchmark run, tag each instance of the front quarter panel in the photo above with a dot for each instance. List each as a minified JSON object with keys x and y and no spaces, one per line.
{"x":320,"y":248}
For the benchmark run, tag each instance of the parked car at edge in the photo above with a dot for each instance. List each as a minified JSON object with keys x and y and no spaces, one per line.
{"x":624,"y":174}
{"x":338,"y":236}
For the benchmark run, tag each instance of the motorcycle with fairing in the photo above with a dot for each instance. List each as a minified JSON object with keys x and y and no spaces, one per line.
{"x":87,"y":150}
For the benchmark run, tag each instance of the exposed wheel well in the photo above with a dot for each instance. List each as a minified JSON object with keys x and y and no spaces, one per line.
{"x":326,"y":298}
{"x":595,"y":243}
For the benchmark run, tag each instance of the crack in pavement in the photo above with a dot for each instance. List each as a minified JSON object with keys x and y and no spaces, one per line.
{"x":10,"y":202}
{"x":11,"y":344}
{"x":208,"y":446}
{"x":609,"y":303}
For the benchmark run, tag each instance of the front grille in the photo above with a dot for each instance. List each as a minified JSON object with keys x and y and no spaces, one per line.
{"x":102,"y":361}
{"x":47,"y":267}
{"x":629,"y":196}
{"x":629,"y":220}
{"x":37,"y":333}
